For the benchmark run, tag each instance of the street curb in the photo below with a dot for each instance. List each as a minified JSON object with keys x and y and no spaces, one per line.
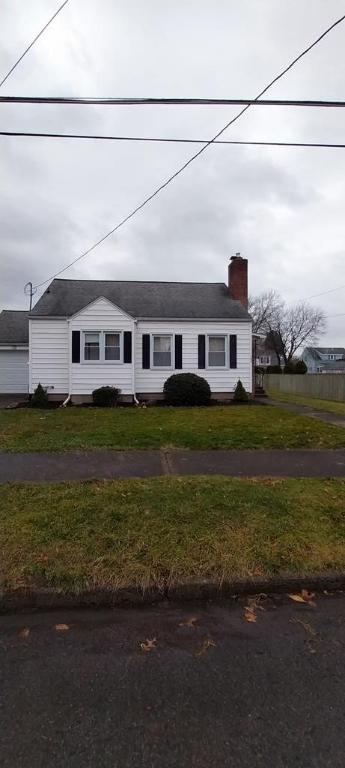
{"x":30,"y":599}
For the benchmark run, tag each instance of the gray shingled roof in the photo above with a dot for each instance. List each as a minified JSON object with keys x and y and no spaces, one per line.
{"x":331,"y":350}
{"x":14,"y":327}
{"x":141,"y":299}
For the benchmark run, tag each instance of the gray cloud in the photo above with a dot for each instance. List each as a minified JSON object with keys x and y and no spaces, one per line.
{"x":282,"y":208}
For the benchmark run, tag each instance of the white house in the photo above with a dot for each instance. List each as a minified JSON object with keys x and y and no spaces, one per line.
{"x":133,"y":335}
{"x":14,"y":352}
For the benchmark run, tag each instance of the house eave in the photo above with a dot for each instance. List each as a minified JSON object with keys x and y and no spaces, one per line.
{"x":196,"y":319}
{"x":21,"y":346}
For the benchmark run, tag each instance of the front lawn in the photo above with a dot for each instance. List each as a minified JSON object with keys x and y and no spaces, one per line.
{"x":332,"y":406}
{"x":213,"y":427}
{"x":162,"y":531}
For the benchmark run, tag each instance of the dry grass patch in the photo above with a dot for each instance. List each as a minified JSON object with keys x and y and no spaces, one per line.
{"x":159,"y":531}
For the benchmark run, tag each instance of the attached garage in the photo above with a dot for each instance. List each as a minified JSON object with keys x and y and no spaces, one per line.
{"x":14,"y":353}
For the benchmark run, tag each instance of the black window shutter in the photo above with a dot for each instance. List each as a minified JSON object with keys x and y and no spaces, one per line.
{"x":201,"y":351}
{"x":146,"y":350}
{"x":75,"y":346}
{"x":127,"y":347}
{"x":178,"y":350}
{"x":233,"y":351}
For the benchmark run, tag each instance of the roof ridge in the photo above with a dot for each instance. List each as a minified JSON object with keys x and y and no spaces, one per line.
{"x":159,"y":282}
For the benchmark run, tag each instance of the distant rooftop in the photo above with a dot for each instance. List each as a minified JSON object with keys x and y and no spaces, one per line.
{"x":14,"y":327}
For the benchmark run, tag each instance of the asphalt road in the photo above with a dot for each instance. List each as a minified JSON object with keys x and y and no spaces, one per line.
{"x":214,"y":690}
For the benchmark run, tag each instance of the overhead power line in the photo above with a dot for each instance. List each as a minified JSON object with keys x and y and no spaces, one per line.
{"x":152,"y":102}
{"x":171,"y":140}
{"x":323,"y":293}
{"x":33,"y":43}
{"x":194,"y":156}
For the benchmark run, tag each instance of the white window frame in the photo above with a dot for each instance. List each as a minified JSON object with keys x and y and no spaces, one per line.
{"x":162,"y":367}
{"x":102,"y":360}
{"x":265,"y":360}
{"x":217,"y":367}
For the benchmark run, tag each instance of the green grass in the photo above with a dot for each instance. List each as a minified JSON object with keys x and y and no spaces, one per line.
{"x":333,"y":406}
{"x":162,"y":531}
{"x":213,"y":427}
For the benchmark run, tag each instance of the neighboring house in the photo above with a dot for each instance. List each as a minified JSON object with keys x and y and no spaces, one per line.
{"x":134,"y":335}
{"x":324,"y":359}
{"x":14,"y":352}
{"x":265,"y":355}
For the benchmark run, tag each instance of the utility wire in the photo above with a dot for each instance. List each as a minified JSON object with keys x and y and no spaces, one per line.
{"x":145,"y":102}
{"x":316,"y":295}
{"x":194,"y":156}
{"x":170,"y":140}
{"x":32,"y":43}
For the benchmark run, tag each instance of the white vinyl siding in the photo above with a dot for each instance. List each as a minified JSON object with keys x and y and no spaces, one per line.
{"x":49,"y":350}
{"x":14,"y":371}
{"x":219,"y":379}
{"x":103,"y":317}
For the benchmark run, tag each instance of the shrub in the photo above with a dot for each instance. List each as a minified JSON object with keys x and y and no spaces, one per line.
{"x":301,"y":367}
{"x":39,"y":398}
{"x":274,"y":369}
{"x":240,"y":394}
{"x":187,"y":389}
{"x":105,"y":397}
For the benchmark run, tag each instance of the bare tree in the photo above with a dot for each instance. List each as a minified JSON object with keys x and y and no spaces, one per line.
{"x":262,"y":309}
{"x":287,"y":328}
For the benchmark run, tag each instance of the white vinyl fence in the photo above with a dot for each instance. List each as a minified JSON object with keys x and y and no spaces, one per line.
{"x":325,"y":386}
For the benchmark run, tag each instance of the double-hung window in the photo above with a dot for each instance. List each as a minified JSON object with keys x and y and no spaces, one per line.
{"x":162,"y":351}
{"x":91,"y":346}
{"x":216,"y":351}
{"x":102,"y":346}
{"x":112,"y":346}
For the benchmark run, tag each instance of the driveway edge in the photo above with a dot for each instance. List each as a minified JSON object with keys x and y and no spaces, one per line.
{"x":31,"y":599}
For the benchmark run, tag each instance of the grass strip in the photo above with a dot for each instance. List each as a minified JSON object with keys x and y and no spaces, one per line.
{"x":149,"y":533}
{"x":332,"y":406}
{"x":239,"y":427}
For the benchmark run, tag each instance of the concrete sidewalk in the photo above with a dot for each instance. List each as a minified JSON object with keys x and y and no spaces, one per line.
{"x":106,"y":464}
{"x":307,"y":410}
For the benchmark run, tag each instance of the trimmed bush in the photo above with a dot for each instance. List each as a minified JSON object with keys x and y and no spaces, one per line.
{"x":300,"y":367}
{"x":240,"y":394}
{"x":39,"y":398}
{"x":290,"y":367}
{"x":105,"y":397}
{"x":187,"y":389}
{"x":274,"y":369}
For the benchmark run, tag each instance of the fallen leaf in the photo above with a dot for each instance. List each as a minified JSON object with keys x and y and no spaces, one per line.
{"x":249,"y":614}
{"x":24,"y":632}
{"x":61,"y":627}
{"x":297,"y":598}
{"x":148,"y":645}
{"x":304,"y":597}
{"x":207,"y":643}
{"x":308,"y":596}
{"x":189,"y":623}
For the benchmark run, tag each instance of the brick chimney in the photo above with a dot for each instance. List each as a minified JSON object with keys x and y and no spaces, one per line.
{"x":238,"y":279}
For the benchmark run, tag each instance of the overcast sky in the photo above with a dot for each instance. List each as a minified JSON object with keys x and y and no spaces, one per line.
{"x":282,"y":208}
